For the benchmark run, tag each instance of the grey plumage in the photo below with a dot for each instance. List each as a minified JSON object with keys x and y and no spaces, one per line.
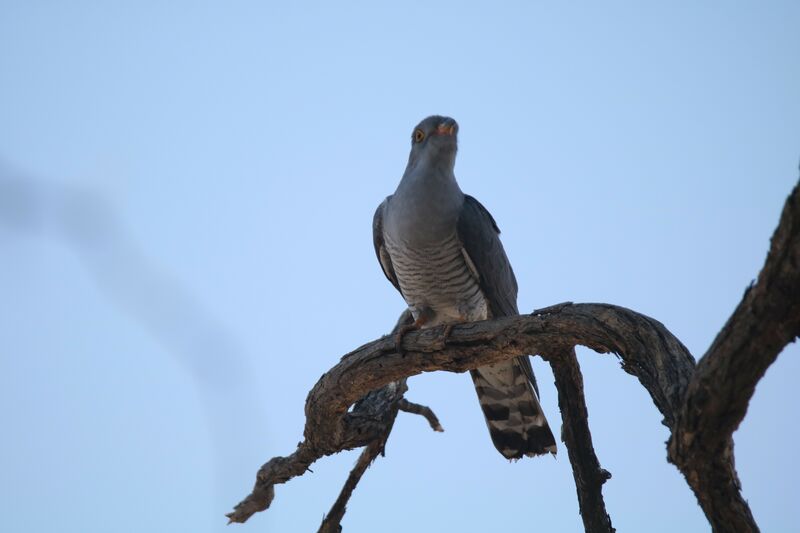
{"x":441,"y":249}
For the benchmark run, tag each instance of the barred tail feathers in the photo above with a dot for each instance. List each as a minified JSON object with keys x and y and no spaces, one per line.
{"x":513,"y":414}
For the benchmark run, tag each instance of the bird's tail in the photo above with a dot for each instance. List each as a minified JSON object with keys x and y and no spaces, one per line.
{"x":510,"y":404}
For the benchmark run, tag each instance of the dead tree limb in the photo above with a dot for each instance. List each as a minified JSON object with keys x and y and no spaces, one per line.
{"x":332,"y":521}
{"x":422,"y":410}
{"x":701,"y":407}
{"x":766,"y":320}
{"x":648,"y":351}
{"x":589,"y":476}
{"x":371,"y":421}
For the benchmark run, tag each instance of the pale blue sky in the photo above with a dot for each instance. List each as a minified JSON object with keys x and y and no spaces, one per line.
{"x":186,"y":195}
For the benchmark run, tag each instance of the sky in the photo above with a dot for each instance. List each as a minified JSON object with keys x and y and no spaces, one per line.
{"x":186,"y":196}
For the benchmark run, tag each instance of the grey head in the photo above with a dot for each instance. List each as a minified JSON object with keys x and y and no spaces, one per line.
{"x":427,"y":202}
{"x":434,"y":143}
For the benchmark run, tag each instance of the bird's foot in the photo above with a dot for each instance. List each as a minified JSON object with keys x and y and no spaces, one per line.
{"x":448,"y":329}
{"x":401,"y":332}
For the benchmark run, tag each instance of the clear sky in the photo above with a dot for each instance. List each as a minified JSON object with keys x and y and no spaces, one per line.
{"x":186,"y":196}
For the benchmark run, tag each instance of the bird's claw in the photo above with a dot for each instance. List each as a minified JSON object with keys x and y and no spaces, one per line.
{"x":398,"y":336}
{"x":448,"y":329}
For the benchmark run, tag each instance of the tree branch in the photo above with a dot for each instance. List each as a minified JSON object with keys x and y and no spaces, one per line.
{"x":332,"y":521}
{"x":589,"y":477}
{"x":766,"y":320}
{"x":702,"y":408}
{"x":370,"y":422}
{"x":422,"y":410}
{"x":648,"y":351}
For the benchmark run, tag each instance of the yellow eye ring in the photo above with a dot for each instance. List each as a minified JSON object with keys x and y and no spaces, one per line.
{"x":419,"y":135}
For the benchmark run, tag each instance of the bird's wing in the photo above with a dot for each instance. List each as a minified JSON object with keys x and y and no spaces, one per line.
{"x":380,"y":247}
{"x":480,"y":240}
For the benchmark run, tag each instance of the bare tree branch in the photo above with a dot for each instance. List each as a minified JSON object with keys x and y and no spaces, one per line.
{"x":648,"y":351}
{"x":371,"y":421}
{"x":422,"y":410}
{"x":701,"y":407}
{"x":332,"y":521}
{"x":589,"y":477}
{"x":766,"y":320}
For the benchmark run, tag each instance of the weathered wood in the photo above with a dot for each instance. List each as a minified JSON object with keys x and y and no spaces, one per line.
{"x":648,"y":351}
{"x":422,"y":410}
{"x":332,"y":521}
{"x":716,"y":400}
{"x":589,"y":477}
{"x":369,"y":424}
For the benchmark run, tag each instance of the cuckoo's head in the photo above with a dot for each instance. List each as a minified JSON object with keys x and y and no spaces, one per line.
{"x":434,"y":141}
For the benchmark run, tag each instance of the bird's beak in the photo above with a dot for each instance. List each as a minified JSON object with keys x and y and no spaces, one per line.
{"x":445,"y":129}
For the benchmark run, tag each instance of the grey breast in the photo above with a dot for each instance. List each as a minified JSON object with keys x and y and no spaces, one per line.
{"x":437,"y":277}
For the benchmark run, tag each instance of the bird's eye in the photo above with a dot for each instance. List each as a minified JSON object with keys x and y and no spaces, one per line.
{"x":418,"y":136}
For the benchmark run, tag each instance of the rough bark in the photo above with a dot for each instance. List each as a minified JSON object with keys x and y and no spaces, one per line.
{"x":589,"y":476}
{"x":370,"y":422}
{"x":766,"y":320}
{"x":332,"y":521}
{"x":422,"y":410}
{"x":648,"y":350}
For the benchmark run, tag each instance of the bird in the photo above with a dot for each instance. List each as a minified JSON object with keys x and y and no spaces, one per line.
{"x":441,"y":250}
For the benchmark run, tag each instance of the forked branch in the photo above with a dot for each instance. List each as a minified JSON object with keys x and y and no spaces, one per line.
{"x":648,"y":350}
{"x":702,"y":407}
{"x":766,"y":320}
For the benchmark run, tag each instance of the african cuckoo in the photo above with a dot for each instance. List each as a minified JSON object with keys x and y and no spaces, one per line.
{"x":441,"y":249}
